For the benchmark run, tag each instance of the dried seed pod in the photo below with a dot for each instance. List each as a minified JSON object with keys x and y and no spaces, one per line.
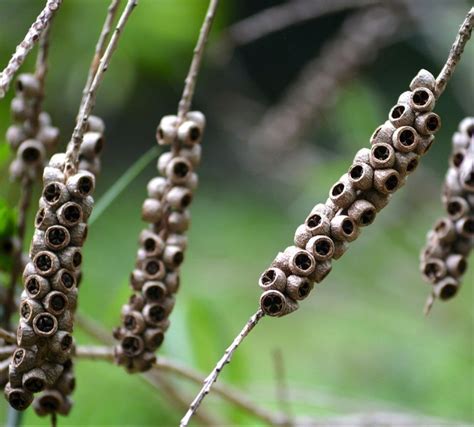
{"x":163,"y":161}
{"x":383,"y":134}
{"x":53,"y":175}
{"x":192,"y":153}
{"x":57,"y":237}
{"x":156,"y":313}
{"x":317,"y":222}
{"x":23,"y":360}
{"x":456,"y":265}
{"x":81,"y":184}
{"x":273,"y":278}
{"x":134,"y":322}
{"x":422,"y":100}
{"x":343,"y":227}
{"x":92,"y":145}
{"x":166,"y":131}
{"x":25,"y":335}
{"x":362,"y":212}
{"x":382,"y":156}
{"x":465,"y":226}
{"x":321,"y":247}
{"x":274,"y":303}
{"x":298,"y":288}
{"x":56,"y":303}
{"x":302,"y":235}
{"x":28,"y":85}
{"x":57,"y":160}
{"x":406,"y":163}
{"x":361,"y":176}
{"x":61,"y":342}
{"x":300,"y":262}
{"x":15,"y":136}
{"x":446,"y":288}
{"x":173,"y":256}
{"x":45,"y":325}
{"x":405,"y":139}
{"x":154,"y":291}
{"x":401,"y":115}
{"x":156,"y":187}
{"x":70,"y":214}
{"x":456,"y":207}
{"x":49,"y":402}
{"x":37,"y":243}
{"x":386,"y":181}
{"x":20,"y":110}
{"x":180,"y":240}
{"x":445,"y":230}
{"x":55,"y":194}
{"x":78,"y":234}
{"x":178,"y":222}
{"x":71,"y":257}
{"x":172,"y":281}
{"x":428,"y":123}
{"x":14,"y":377}
{"x":95,"y":124}
{"x":466,"y":173}
{"x":18,"y":398}
{"x":179,"y":197}
{"x":433,"y":269}
{"x":342,"y":192}
{"x":363,"y":155}
{"x":87,"y":204}
{"x":189,"y":133}
{"x":64,"y":280}
{"x":423,"y":79}
{"x":151,"y":243}
{"x":31,"y":152}
{"x":34,"y":381}
{"x":178,"y":170}
{"x":321,"y":271}
{"x":46,"y":263}
{"x":137,"y":279}
{"x":153,"y":269}
{"x":340,"y":248}
{"x":153,"y":338}
{"x":152,"y":210}
{"x":29,"y":309}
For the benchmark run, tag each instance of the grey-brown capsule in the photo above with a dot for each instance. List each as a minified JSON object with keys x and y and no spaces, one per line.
{"x":81,"y":184}
{"x":423,"y":79}
{"x":343,"y":227}
{"x":427,"y":123}
{"x":152,"y":210}
{"x":386,"y":181}
{"x":274,"y":303}
{"x":405,"y":139}
{"x":298,"y":288}
{"x":422,"y":100}
{"x":401,"y":115}
{"x":362,"y":212}
{"x":273,"y":278}
{"x":382,"y":156}
{"x":300,"y":262}
{"x":321,"y":247}
{"x":361,"y":176}
{"x":342,"y":192}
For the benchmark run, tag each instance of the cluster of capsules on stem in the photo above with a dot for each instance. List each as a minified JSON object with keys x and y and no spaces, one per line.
{"x":354,"y":200}
{"x":443,"y":260}
{"x":31,"y":136}
{"x":42,"y":360}
{"x":156,"y":277}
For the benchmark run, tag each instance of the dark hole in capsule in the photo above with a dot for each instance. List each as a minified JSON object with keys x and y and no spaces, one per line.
{"x":432,"y":270}
{"x":322,"y":247}
{"x":412,"y":164}
{"x":186,"y":200}
{"x":181,"y":169}
{"x":347,"y":226}
{"x":66,"y":342}
{"x":448,"y":291}
{"x":470,"y":131}
{"x":273,"y":303}
{"x":157,"y":313}
{"x":421,"y":97}
{"x":44,"y":262}
{"x":468,"y":226}
{"x":130,"y":322}
{"x":32,"y":285}
{"x":454,"y":207}
{"x":157,"y":339}
{"x":368,"y":216}
{"x":50,"y":403}
{"x":56,"y":236}
{"x":25,"y":310}
{"x":314,"y":221}
{"x":432,"y":123}
{"x":18,"y":356}
{"x":19,"y":85}
{"x":303,"y":290}
{"x":381,"y":152}
{"x":149,"y":244}
{"x":391,"y":183}
{"x":458,"y":159}
{"x":45,"y":323}
{"x":34,"y":385}
{"x":154,"y":292}
{"x":194,"y":133}
{"x":77,"y":259}
{"x":40,"y":217}
{"x":469,"y":179}
{"x":356,"y":172}
{"x":398,"y":111}
{"x":17,"y":401}
{"x":131,"y":345}
{"x":68,"y":364}
{"x":72,"y":213}
{"x":67,"y":280}
{"x":152,"y":267}
{"x":99,"y":146}
{"x":160,"y":133}
{"x":178,"y":258}
{"x":407,"y":137}
{"x":84,"y":185}
{"x":303,"y":261}
{"x":52,"y":192}
{"x":58,"y":302}
{"x":31,"y":154}
{"x":268,"y":277}
{"x":337,"y":189}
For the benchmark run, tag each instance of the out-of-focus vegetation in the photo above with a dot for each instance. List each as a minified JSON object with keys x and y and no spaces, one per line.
{"x":360,"y":341}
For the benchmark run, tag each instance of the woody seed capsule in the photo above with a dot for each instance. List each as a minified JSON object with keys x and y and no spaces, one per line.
{"x":274,"y":303}
{"x":298,"y":288}
{"x":428,"y":123}
{"x":273,"y":278}
{"x":405,"y":139}
{"x":321,"y":247}
{"x":343,"y":193}
{"x":362,"y":212}
{"x":361,"y":176}
{"x":422,"y":100}
{"x":382,"y":155}
{"x":401,"y":115}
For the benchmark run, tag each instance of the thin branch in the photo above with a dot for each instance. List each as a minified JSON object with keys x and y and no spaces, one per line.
{"x":24,"y":203}
{"x":463,"y":36}
{"x":190,"y":82}
{"x":22,"y":50}
{"x":358,"y":42}
{"x":288,"y":14}
{"x":100,"y":47}
{"x":6,"y":351}
{"x":41,"y":68}
{"x":72,"y":152}
{"x":8,"y":336}
{"x":209,"y":381}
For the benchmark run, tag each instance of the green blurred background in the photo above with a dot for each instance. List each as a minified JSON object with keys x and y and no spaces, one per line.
{"x":360,"y":342}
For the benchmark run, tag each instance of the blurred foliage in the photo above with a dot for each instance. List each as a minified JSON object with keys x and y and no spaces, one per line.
{"x":7,"y":229}
{"x":360,"y":342}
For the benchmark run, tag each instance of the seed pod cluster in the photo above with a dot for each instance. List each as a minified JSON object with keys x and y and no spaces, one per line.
{"x":92,"y":145}
{"x":31,"y":136}
{"x":155,"y":278}
{"x":354,"y":200}
{"x":443,"y":261}
{"x":48,"y":301}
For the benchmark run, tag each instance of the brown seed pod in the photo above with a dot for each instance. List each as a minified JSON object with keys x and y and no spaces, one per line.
{"x":15,"y":136}
{"x":18,"y":398}
{"x":383,"y":134}
{"x":446,"y":288}
{"x":152,"y":210}
{"x":422,"y":100}
{"x":363,"y":155}
{"x":57,"y":237}
{"x":343,"y":227}
{"x":55,"y":194}
{"x":154,"y":291}
{"x":456,"y":265}
{"x":423,"y":79}
{"x":153,"y":338}
{"x":64,"y":281}
{"x":49,"y":402}
{"x":151,"y":243}
{"x":456,"y":207}
{"x":189,"y":133}
{"x":362,"y":212}
{"x":81,"y":184}
{"x":340,"y":248}
{"x":178,"y":222}
{"x":137,"y":279}
{"x":20,"y":109}
{"x":179,"y":197}
{"x":28,"y":85}
{"x":45,"y":325}
{"x":173,"y":256}
{"x":401,"y":115}
{"x":25,"y":335}
{"x":445,"y":230}
{"x":321,"y":271}
{"x":49,"y":136}
{"x":298,"y":288}
{"x":406,"y":163}
{"x":134,"y":322}
{"x":405,"y":139}
{"x":87,"y":204}
{"x":466,"y":173}
{"x":465,"y":226}
{"x":433,"y":270}
{"x":53,"y":175}
{"x":70,"y":214}
{"x":167,"y":131}
{"x":178,"y":170}
{"x":92,"y":145}
{"x":361,"y":176}
{"x":61,"y":342}
{"x":156,"y":187}
{"x":157,"y":312}
{"x":31,"y":152}
{"x":382,"y":156}
{"x":302,"y":235}
{"x":386,"y":181}
{"x":273,"y":278}
{"x":427,"y":123}
{"x":78,"y":234}
{"x":29,"y":309}
{"x":171,"y":281}
{"x":321,"y":247}
{"x":34,"y":380}
{"x":153,"y":269}
{"x":24,"y":359}
{"x":192,"y":153}
{"x":56,"y":303}
{"x":317,"y":222}
{"x":424,"y":145}
{"x":46,"y":263}
{"x":342,"y":192}
{"x":71,"y":257}
{"x":300,"y":262}
{"x":274,"y":303}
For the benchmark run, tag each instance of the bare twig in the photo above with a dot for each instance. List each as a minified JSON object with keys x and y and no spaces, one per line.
{"x":22,"y":50}
{"x":41,"y":68}
{"x":8,"y":336}
{"x":100,"y":47}
{"x":361,"y":37}
{"x":190,"y":82}
{"x":74,"y":145}
{"x":209,"y":381}
{"x":284,"y":15}
{"x":463,"y":36}
{"x":6,"y":351}
{"x":24,"y":203}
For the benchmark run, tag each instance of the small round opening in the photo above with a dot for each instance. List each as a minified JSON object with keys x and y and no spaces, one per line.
{"x":157,"y":313}
{"x":391,"y":183}
{"x":398,"y":111}
{"x":130,"y":322}
{"x":268,"y":277}
{"x":155,"y":292}
{"x":17,"y":401}
{"x":77,"y":259}
{"x":72,"y":213}
{"x":34,"y":385}
{"x":432,"y":123}
{"x":32,"y":286}
{"x":407,"y":137}
{"x":31,"y":155}
{"x":272,"y":304}
{"x":18,"y":356}
{"x":157,"y":339}
{"x":458,"y":159}
{"x":25,"y":310}
{"x":338,"y":189}
{"x":448,"y":291}
{"x":469,"y":181}
{"x":43,"y":262}
{"x":381,"y":152}
{"x":40,"y":217}
{"x":368,"y":216}
{"x":67,"y":280}
{"x":52,"y":192}
{"x":152,"y":267}
{"x":468,"y":226}
{"x":347,"y":227}
{"x":454,"y":207}
{"x":194,"y":133}
{"x":131,"y":345}
{"x":181,"y":169}
{"x":303,"y":262}
{"x":149,"y":244}
{"x":58,"y":302}
{"x":49,"y":403}
{"x":186,"y":200}
{"x":45,"y":323}
{"x":178,"y":258}
{"x":85,"y":185}
{"x":304,"y":290}
{"x":412,"y":164}
{"x":420,"y":97}
{"x":56,"y":236}
{"x":313,"y":221}
{"x":356,"y":172}
{"x":432,"y":270}
{"x":66,"y":342}
{"x":322,"y":247}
